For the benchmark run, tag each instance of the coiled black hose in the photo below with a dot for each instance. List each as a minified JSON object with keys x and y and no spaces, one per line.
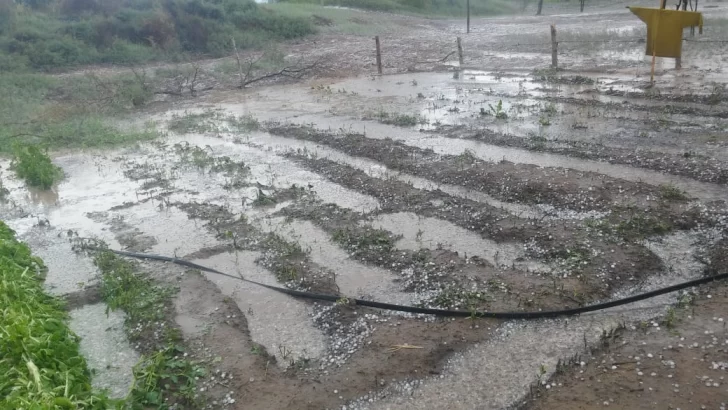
{"x":440,"y":312}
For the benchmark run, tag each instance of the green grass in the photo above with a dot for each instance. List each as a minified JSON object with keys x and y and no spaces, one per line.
{"x":67,"y":33}
{"x":400,"y":120}
{"x":40,"y":363}
{"x":164,"y":376}
{"x":69,"y":112}
{"x":672,"y":193}
{"x":35,"y":166}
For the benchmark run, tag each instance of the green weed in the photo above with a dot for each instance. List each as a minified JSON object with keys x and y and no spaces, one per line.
{"x":263,"y":200}
{"x":40,"y":363}
{"x":34,"y":166}
{"x":165,"y":378}
{"x":672,"y":193}
{"x":284,"y":258}
{"x":400,"y":120}
{"x":497,"y":111}
{"x":123,"y":287}
{"x":364,"y":240}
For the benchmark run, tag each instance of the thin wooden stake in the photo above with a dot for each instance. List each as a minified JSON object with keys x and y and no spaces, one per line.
{"x":678,"y":63}
{"x":554,"y":48}
{"x":460,"y":52}
{"x":379,"y":55}
{"x":468,"y":23}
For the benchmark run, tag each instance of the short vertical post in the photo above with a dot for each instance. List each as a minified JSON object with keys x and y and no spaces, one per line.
{"x":379,"y":55}
{"x":678,"y":63}
{"x":460,"y":52}
{"x":554,"y":48}
{"x":468,"y":18}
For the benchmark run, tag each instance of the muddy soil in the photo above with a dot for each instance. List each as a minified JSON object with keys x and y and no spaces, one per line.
{"x":500,"y":186}
{"x":676,"y":362}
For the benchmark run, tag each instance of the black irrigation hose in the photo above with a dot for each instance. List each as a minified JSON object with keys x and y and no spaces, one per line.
{"x":441,"y":312}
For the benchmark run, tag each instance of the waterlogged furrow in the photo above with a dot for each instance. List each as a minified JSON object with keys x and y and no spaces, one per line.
{"x":494,"y":153}
{"x":352,"y":278}
{"x":277,"y":321}
{"x":423,"y":232}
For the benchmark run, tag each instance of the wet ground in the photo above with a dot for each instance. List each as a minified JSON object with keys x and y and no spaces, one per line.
{"x":502,"y":186}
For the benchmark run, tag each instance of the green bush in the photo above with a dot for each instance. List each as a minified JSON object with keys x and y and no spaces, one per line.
{"x":129,"y":32}
{"x":35,"y":166}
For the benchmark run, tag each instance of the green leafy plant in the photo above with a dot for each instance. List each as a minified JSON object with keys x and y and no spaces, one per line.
{"x":41,"y":366}
{"x":497,"y":110}
{"x":35,"y":166}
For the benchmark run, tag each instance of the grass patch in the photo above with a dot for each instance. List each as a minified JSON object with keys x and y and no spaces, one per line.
{"x":40,"y":363}
{"x":632,"y":227}
{"x":212,"y":122}
{"x":365,"y":240}
{"x":672,"y":193}
{"x":52,"y":34}
{"x":284,"y":258}
{"x":454,"y":297}
{"x":400,"y":120}
{"x":123,"y":287}
{"x":35,"y":166}
{"x":163,"y":377}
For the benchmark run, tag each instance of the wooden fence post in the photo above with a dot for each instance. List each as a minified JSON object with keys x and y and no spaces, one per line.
{"x":554,"y":48}
{"x":379,"y":55}
{"x":460,"y":52}
{"x":468,"y":18}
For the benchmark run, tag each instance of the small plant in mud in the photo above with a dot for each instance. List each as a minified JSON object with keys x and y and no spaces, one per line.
{"x":195,"y":123}
{"x":455,"y":297}
{"x":283,"y":258}
{"x":544,"y":120}
{"x":263,"y":199}
{"x":549,"y":109}
{"x":364,"y":241}
{"x":35,"y":166}
{"x":631,"y":227}
{"x":571,"y":259}
{"x":4,"y":192}
{"x":466,"y":157}
{"x":123,"y":287}
{"x":717,"y":94}
{"x":672,"y":193}
{"x":165,"y":378}
{"x":400,"y":120}
{"x":244,"y":123}
{"x":497,"y":111}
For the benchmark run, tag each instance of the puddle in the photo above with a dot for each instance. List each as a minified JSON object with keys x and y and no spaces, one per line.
{"x":67,"y":271}
{"x":105,"y":347}
{"x":421,"y":232}
{"x":175,"y":234}
{"x":279,"y":322}
{"x":352,"y":278}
